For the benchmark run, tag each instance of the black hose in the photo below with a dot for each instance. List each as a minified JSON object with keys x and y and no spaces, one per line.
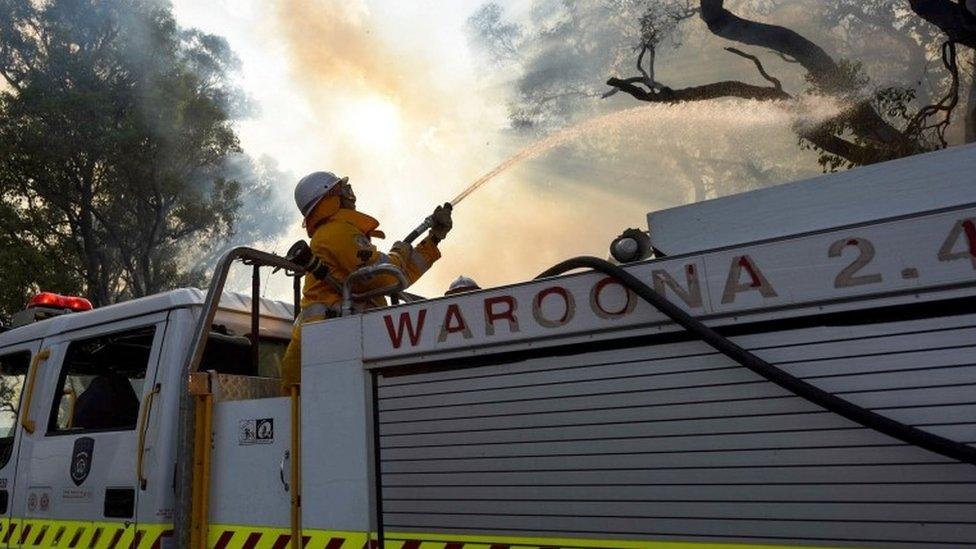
{"x":833,"y":403}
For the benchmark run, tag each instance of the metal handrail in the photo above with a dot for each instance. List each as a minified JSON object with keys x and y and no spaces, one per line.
{"x":25,"y":421}
{"x":147,"y":402}
{"x":368,"y":271}
{"x":406,"y":297}
{"x":185,"y":435}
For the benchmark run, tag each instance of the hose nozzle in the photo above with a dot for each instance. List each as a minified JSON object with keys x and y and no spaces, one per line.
{"x":419,"y":230}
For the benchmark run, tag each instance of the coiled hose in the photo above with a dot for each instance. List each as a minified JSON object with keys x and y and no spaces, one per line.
{"x":895,"y":429}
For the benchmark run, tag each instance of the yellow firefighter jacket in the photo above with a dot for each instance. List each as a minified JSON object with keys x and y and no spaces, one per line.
{"x":341,"y":239}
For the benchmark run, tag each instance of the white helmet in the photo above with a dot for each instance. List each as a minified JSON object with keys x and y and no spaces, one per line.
{"x":314,"y":187}
{"x":462,"y":284}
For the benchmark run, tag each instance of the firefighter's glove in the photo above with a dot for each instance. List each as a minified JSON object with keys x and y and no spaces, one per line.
{"x":441,"y":222}
{"x":301,"y":254}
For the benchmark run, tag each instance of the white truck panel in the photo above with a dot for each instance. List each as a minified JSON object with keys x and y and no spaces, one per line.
{"x":887,"y":259}
{"x":906,"y":186}
{"x":336,"y":428}
{"x":246,"y":485}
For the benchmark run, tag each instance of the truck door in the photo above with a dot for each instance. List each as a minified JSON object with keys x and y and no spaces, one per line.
{"x":14,"y":364}
{"x":76,"y":477}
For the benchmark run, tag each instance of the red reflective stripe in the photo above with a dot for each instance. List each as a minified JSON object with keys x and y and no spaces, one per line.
{"x":158,"y":544}
{"x":411,"y":544}
{"x":335,"y":543}
{"x":95,"y":537}
{"x":251,"y":541}
{"x":40,"y":536}
{"x":282,"y":541}
{"x":454,"y":545}
{"x":76,"y":538}
{"x":224,"y":539}
{"x":24,"y":532}
{"x":13,"y":527}
{"x":136,"y":539}
{"x":496,"y":546}
{"x":285,"y":539}
{"x":115,"y":539}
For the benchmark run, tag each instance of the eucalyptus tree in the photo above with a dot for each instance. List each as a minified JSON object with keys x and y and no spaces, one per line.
{"x":119,"y":163}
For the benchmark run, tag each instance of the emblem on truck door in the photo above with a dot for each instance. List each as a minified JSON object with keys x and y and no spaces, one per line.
{"x":81,"y":459}
{"x":256,"y":431}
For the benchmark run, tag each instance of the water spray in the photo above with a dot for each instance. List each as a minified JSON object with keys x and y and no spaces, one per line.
{"x":454,"y":202}
{"x":558,"y":138}
{"x":806,"y":110}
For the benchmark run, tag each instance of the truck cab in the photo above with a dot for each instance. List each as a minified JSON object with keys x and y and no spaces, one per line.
{"x":88,"y":405}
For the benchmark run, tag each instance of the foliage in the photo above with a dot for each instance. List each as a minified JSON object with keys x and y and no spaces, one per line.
{"x":898,"y":104}
{"x":549,"y":61}
{"x":115,"y":139}
{"x":500,"y":38}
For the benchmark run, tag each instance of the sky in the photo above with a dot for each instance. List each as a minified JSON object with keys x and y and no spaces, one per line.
{"x":393,"y":95}
{"x":386,"y":93}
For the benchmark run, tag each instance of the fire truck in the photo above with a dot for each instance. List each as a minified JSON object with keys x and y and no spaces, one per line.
{"x":791,"y":367}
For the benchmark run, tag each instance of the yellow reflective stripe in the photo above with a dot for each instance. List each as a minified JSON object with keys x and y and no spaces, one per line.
{"x":319,"y":539}
{"x":60,"y":534}
{"x":239,"y":536}
{"x":78,"y":534}
{"x":438,"y":541}
{"x":236,"y":536}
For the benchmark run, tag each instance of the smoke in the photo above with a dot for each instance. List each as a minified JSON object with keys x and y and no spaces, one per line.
{"x":404,"y":113}
{"x":334,"y":47}
{"x":388,"y":108}
{"x":394,"y":99}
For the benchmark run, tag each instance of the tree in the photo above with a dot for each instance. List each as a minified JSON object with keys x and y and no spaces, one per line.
{"x":25,"y":268}
{"x":117,"y":145}
{"x":879,"y":122}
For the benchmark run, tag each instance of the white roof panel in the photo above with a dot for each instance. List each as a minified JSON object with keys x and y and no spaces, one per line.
{"x":921,"y":183}
{"x":174,"y":299}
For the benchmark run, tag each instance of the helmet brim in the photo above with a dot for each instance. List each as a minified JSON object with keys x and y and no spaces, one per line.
{"x":331,"y":192}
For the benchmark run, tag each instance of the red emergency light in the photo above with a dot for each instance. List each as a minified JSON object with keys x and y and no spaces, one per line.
{"x":58,"y":301}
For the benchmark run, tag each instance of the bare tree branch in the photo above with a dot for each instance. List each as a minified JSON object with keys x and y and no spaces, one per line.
{"x":647,"y":75}
{"x":715,"y":90}
{"x":946,"y":105}
{"x":723,"y":23}
{"x":774,"y":81}
{"x":659,"y":93}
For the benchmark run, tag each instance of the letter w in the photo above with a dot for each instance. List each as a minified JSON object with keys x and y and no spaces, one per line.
{"x":405,"y":324}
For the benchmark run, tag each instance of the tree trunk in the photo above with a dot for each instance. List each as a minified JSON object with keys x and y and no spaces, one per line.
{"x":950,"y":17}
{"x":98,"y":290}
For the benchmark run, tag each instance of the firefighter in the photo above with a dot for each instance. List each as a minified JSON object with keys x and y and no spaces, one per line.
{"x":340,"y":241}
{"x":462,"y":284}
